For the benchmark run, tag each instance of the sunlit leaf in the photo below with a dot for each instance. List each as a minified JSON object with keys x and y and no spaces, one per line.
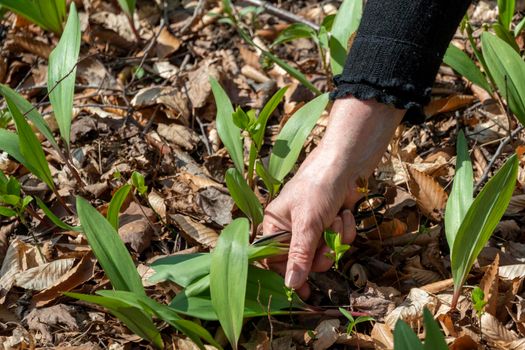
{"x":293,"y":32}
{"x":116,"y":203}
{"x":62,"y":73}
{"x":506,"y":12}
{"x":434,"y":338}
{"x":243,"y":196}
{"x":461,"y":63}
{"x":48,"y":14}
{"x":345,"y":23}
{"x":290,"y":140}
{"x":55,"y":219}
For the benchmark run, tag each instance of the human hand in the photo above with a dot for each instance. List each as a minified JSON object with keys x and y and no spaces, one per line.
{"x":323,"y":191}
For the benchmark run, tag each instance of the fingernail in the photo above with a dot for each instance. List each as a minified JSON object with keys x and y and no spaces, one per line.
{"x":294,"y":279}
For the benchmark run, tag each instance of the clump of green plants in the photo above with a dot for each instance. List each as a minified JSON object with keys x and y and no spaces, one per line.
{"x":406,"y":339}
{"x":469,"y":221}
{"x":48,"y":14}
{"x":354,"y":321}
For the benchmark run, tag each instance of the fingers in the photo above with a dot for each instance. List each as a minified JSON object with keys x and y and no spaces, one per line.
{"x":305,"y":238}
{"x":349,"y":231}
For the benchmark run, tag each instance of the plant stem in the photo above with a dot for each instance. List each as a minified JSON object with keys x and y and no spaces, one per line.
{"x":62,"y":202}
{"x":134,"y":28}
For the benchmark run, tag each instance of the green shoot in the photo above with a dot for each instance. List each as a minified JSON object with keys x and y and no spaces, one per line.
{"x":353,"y":322}
{"x":338,"y":249}
{"x":478,"y":300}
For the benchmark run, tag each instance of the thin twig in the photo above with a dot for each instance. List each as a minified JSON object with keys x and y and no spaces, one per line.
{"x":197,"y":13}
{"x":496,"y":155}
{"x":280,"y":13}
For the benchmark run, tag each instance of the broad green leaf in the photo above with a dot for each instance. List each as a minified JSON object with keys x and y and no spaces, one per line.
{"x":241,"y":119}
{"x":9,"y":199}
{"x":478,"y":299}
{"x":10,"y":144}
{"x":508,"y":71}
{"x":55,"y":219}
{"x":54,"y":13}
{"x":461,"y":63}
{"x":135,"y":318}
{"x":505,"y":35}
{"x":405,"y":338}
{"x":481,"y":220}
{"x":265,"y":114}
{"x":229,"y":133}
{"x":62,"y":72}
{"x":272,"y":185}
{"x":462,"y":193}
{"x":109,"y":249}
{"x":434,"y":338}
{"x":345,"y":23}
{"x":31,"y":10}
{"x":506,"y":12}
{"x":228,"y":278}
{"x":182,"y":269}
{"x":7,"y":212}
{"x":128,"y":6}
{"x":32,"y":113}
{"x":294,"y":32}
{"x":243,"y":196}
{"x":30,"y":147}
{"x":290,"y":140}
{"x":116,"y":203}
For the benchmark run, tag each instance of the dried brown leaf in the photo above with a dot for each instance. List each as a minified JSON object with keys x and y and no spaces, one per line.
{"x":326,"y":334}
{"x":180,"y":135}
{"x":382,"y":336}
{"x":495,"y":330}
{"x":195,"y":232}
{"x":411,"y":310}
{"x":448,"y":104}
{"x":431,"y":197}
{"x":167,"y":43}
{"x":46,"y":319}
{"x":511,"y":272}
{"x":490,"y":285}
{"x":43,"y":276}
{"x":135,"y":228}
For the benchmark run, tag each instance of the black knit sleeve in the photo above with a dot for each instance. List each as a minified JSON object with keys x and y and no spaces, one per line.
{"x":397,"y":51}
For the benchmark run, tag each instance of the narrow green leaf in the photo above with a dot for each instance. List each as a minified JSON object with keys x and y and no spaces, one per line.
{"x":29,"y":9}
{"x":135,"y":318}
{"x":55,"y":219}
{"x":10,"y":144}
{"x":30,"y":147}
{"x":506,"y":12}
{"x":272,"y":185}
{"x":53,"y":12}
{"x":294,"y":32}
{"x":182,"y":269}
{"x":228,"y":278}
{"x":508,"y":71}
{"x":229,"y":133}
{"x":32,"y":113}
{"x":291,"y":139}
{"x":345,"y":23}
{"x":481,"y":220}
{"x":405,"y":338}
{"x":7,"y":212}
{"x":265,"y":114}
{"x":116,"y":203}
{"x":138,"y":181}
{"x":243,"y":196}
{"x":461,"y":63}
{"x":519,"y":27}
{"x":62,"y":73}
{"x":434,"y":338}
{"x":109,"y":249}
{"x":128,"y":6}
{"x":462,"y":193}
{"x":505,"y":35}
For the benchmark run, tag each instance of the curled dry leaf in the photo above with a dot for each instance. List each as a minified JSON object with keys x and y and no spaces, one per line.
{"x":180,"y":135}
{"x":167,"y":43}
{"x":382,"y":336}
{"x":411,"y":310}
{"x":448,"y":104}
{"x":43,"y":276}
{"x":511,"y":272}
{"x":46,"y":319}
{"x":326,"y":334}
{"x":490,"y":285}
{"x":194,"y":231}
{"x":430,"y":196}
{"x":157,"y":203}
{"x":495,"y":330}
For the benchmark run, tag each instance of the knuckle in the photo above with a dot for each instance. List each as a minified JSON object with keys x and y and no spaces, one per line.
{"x":300,"y":255}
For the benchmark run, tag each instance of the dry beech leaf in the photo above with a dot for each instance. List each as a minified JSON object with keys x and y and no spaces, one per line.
{"x":411,"y":310}
{"x":495,"y":330}
{"x":382,"y":336}
{"x":48,"y":319}
{"x":75,"y":277}
{"x":464,"y":342}
{"x":194,"y":231}
{"x":45,"y":275}
{"x":11,"y":266}
{"x":167,"y":43}
{"x":180,"y":135}
{"x":135,"y":228}
{"x":511,"y":272}
{"x":516,"y":205}
{"x":448,"y":104}
{"x":490,"y":285}
{"x":326,"y":334}
{"x":430,"y":196}
{"x":157,"y":203}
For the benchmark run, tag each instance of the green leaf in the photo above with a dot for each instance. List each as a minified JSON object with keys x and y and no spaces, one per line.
{"x":241,"y":119}
{"x":519,"y":27}
{"x":228,"y":277}
{"x":328,"y":22}
{"x":7,"y":212}
{"x":109,"y":249}
{"x":481,"y":220}
{"x":31,"y":10}
{"x":243,"y":196}
{"x":405,"y":338}
{"x":135,"y":318}
{"x":229,"y":133}
{"x":53,"y":12}
{"x":508,"y":71}
{"x":290,"y":140}
{"x":345,"y":23}
{"x":62,"y":73}
{"x":272,"y":185}
{"x":478,"y":299}
{"x":9,"y":199}
{"x":461,"y":63}
{"x":434,"y":338}
{"x":294,"y":32}
{"x":32,"y":113}
{"x":138,"y":181}
{"x":265,"y":114}
{"x":30,"y":147}
{"x":505,"y":35}
{"x":9,"y":143}
{"x":506,"y":12}
{"x":128,"y":6}
{"x":55,"y":219}
{"x":116,"y":203}
{"x":462,"y":193}
{"x":182,"y":269}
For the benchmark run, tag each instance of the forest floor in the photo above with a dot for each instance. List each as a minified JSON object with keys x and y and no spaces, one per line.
{"x":148,"y":107}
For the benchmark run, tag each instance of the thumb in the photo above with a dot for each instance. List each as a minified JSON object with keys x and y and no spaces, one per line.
{"x":303,"y":246}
